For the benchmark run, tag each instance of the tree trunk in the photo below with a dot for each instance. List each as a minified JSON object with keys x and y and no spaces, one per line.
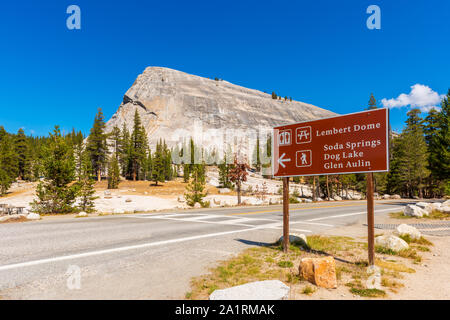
{"x":99,"y":175}
{"x":314,"y":189}
{"x":328,"y":190}
{"x":238,"y":185}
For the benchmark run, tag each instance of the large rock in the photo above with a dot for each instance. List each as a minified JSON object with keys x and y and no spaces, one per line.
{"x":295,"y":239}
{"x":319,"y":271}
{"x":436,"y":205}
{"x":33,"y":216}
{"x":82,"y":214}
{"x":425,"y":206}
{"x":391,"y":242}
{"x":259,"y":290}
{"x":386,"y":197}
{"x":396,"y":197}
{"x":444,"y":209}
{"x":404,"y":229}
{"x":224,"y":190}
{"x":171,"y":104}
{"x":414,"y":211}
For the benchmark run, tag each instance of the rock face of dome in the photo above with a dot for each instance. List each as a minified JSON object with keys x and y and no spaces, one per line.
{"x":174,"y":105}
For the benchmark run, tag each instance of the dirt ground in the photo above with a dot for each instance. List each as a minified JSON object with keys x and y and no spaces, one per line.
{"x":167,"y":189}
{"x":403,"y":278}
{"x":431,"y":279}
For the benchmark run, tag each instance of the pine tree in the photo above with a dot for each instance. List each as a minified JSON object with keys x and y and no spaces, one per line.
{"x":187,"y":167}
{"x":440,"y":147}
{"x":113,"y":172}
{"x":55,"y":193}
{"x":97,"y":145}
{"x":409,"y":165}
{"x":139,"y":146}
{"x":158,"y":173}
{"x":125,"y":152}
{"x":23,"y":157}
{"x":274,"y":95}
{"x":149,"y":164}
{"x":115,"y":137}
{"x":224,"y":172}
{"x":195,"y":190}
{"x":168,"y":171}
{"x":8,"y":161}
{"x":372,"y":102}
{"x":85,"y":184}
{"x":431,"y":130}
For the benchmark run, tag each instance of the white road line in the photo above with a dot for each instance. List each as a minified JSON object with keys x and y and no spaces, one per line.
{"x":350,"y":214}
{"x":113,"y":250}
{"x":209,"y":222}
{"x":292,"y":229}
{"x":237,"y":221}
{"x":312,"y":223}
{"x":301,"y":230}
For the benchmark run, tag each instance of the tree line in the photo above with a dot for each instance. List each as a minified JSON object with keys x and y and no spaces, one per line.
{"x":67,"y":165}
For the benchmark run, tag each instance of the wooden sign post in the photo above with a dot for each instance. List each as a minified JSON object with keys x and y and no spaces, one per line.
{"x":353,"y":143}
{"x":370,"y":219}
{"x":285,"y":214}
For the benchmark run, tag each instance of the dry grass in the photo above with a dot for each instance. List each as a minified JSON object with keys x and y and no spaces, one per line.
{"x":393,"y":266}
{"x":20,"y":219}
{"x":270,"y":263}
{"x":421,"y":244}
{"x":390,"y":283}
{"x":434,"y":215}
{"x":399,"y":215}
{"x":438,"y":215}
{"x":308,"y":290}
{"x":167,"y":189}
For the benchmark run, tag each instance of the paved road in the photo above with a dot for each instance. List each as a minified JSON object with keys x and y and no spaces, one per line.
{"x":146,"y":256}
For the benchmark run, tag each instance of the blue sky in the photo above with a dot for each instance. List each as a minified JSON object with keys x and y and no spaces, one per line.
{"x":320,"y":52}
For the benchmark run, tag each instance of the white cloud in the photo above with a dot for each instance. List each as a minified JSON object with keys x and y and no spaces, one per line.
{"x":421,"y":96}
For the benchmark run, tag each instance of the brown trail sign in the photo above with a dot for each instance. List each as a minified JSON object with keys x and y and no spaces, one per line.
{"x":352,"y":143}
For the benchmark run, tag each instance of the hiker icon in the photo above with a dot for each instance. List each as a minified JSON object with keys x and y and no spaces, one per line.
{"x":304,"y":161}
{"x":303,"y":158}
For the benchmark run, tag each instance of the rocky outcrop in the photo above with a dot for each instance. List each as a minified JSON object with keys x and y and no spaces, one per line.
{"x":174,"y":105}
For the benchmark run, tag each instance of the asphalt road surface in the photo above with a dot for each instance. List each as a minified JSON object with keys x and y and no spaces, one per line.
{"x":147,"y":256}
